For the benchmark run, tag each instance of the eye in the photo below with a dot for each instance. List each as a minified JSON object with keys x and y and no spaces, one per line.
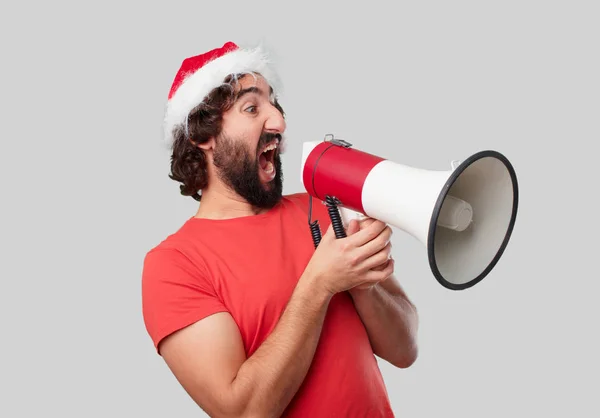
{"x":250,"y":109}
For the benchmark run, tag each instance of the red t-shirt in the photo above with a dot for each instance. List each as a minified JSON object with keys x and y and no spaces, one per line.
{"x":248,"y":267}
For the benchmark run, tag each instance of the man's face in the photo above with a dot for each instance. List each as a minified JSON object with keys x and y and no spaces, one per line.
{"x":247,"y":154}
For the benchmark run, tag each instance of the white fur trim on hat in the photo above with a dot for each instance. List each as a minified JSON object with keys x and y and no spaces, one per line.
{"x":199,"y":84}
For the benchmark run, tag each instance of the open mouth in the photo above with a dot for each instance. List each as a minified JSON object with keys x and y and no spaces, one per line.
{"x":266,"y":160}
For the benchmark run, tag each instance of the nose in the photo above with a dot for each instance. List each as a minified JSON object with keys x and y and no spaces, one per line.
{"x":275,"y":122}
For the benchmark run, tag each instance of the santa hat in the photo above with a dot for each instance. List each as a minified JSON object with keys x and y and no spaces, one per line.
{"x":200,"y":74}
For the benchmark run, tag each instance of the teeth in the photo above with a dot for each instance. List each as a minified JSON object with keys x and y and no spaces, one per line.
{"x":270,"y":147}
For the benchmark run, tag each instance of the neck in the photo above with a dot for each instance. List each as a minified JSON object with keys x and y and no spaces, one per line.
{"x":219,"y":202}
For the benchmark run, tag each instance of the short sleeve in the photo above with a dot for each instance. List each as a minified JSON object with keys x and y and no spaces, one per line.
{"x":175,"y":293}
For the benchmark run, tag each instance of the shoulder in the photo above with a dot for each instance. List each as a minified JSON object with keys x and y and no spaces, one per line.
{"x":308,"y":206}
{"x":298,"y":199}
{"x":174,"y":271}
{"x":177,"y":288}
{"x":173,"y":253}
{"x":302,"y":200}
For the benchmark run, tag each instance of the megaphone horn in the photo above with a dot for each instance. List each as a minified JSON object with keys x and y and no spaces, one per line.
{"x":464,"y":216}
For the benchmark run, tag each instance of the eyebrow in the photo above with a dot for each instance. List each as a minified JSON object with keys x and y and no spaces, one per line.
{"x":248,"y":90}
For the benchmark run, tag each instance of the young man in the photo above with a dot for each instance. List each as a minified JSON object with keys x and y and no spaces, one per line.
{"x":251,"y":319}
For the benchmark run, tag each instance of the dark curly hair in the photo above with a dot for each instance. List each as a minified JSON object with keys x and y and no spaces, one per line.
{"x":188,"y":162}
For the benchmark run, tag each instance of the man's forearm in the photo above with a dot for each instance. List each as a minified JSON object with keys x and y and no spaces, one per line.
{"x":269,"y":379}
{"x":391,"y":322}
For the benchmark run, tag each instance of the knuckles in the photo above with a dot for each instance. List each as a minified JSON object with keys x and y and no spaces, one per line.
{"x":353,"y":260}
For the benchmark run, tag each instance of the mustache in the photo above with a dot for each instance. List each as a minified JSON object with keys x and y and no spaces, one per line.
{"x":267,"y":137}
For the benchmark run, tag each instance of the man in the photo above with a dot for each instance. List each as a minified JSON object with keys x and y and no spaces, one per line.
{"x":251,"y":319}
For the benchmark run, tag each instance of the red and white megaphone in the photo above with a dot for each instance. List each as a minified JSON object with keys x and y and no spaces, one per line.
{"x":464,"y":216}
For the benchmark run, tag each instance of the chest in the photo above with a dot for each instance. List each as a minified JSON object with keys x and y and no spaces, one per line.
{"x":256,"y":274}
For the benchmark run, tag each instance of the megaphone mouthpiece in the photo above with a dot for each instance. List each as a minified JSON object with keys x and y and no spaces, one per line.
{"x":456,"y":214}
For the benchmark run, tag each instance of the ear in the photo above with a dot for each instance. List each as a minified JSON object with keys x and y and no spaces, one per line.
{"x":208,"y":145}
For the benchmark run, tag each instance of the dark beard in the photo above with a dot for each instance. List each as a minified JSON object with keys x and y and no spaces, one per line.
{"x":238,"y":169}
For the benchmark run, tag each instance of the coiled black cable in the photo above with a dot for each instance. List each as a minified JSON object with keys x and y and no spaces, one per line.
{"x":334,"y":215}
{"x":315,"y":230}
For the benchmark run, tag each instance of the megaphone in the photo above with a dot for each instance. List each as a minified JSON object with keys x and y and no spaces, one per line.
{"x":464,"y":216}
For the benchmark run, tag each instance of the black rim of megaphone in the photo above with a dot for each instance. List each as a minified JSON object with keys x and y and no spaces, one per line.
{"x":438,"y":206}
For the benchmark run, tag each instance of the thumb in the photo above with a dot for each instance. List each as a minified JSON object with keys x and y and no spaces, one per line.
{"x":329,"y":234}
{"x":353,"y":227}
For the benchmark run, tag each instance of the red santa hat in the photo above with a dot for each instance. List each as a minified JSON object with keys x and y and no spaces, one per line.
{"x":200,"y":74}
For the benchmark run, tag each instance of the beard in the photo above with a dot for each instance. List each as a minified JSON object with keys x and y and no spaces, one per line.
{"x":239,"y":170}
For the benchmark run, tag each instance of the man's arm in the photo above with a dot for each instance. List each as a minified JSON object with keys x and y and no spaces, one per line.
{"x":390,"y":319}
{"x":209,"y":361}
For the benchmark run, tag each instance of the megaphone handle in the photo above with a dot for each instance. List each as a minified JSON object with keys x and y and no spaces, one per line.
{"x":336,"y":218}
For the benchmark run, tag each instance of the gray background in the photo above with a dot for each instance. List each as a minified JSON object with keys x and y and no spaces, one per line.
{"x":85,"y":191}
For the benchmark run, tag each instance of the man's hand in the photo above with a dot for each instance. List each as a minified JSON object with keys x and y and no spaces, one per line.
{"x":357,"y":225}
{"x":361,"y":258}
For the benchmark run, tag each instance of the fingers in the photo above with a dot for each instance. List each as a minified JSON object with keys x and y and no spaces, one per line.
{"x":366,"y":222}
{"x":353,"y":227}
{"x":384,"y":264}
{"x":374,"y":276}
{"x":329,"y":234}
{"x":377,"y":274}
{"x":367,"y":234}
{"x":379,"y":258}
{"x":377,"y":243}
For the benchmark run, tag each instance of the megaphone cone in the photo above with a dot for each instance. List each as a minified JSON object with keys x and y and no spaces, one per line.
{"x":464,"y":216}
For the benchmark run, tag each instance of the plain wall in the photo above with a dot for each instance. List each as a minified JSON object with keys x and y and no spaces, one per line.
{"x":85,"y":192}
